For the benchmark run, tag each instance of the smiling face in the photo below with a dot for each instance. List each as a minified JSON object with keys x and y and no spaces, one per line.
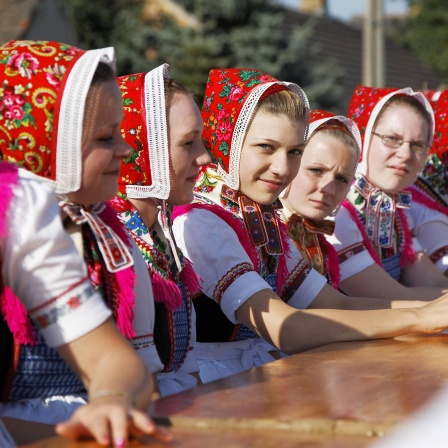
{"x":187,"y":152}
{"x":103,"y":147}
{"x":324,"y":178}
{"x":270,"y":156}
{"x":393,"y":170}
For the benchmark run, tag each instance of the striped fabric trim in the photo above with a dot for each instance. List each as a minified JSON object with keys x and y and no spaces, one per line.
{"x":229,"y":278}
{"x":53,"y":310}
{"x":143,"y":341}
{"x":438,"y":254}
{"x":294,"y":280}
{"x":351,"y":251}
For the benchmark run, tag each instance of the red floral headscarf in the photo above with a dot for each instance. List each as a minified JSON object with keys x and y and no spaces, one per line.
{"x":144,"y":127}
{"x":321,"y":118}
{"x":440,"y":144}
{"x":43,"y":91}
{"x":231,"y":96}
{"x":366,"y":104}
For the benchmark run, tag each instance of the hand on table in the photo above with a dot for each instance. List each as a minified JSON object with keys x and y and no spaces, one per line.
{"x":110,"y":422}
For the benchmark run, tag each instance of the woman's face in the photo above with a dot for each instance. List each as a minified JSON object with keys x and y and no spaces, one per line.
{"x":270,"y":157}
{"x":187,"y":152}
{"x":324,"y":178}
{"x":103,"y":147}
{"x":393,"y":170}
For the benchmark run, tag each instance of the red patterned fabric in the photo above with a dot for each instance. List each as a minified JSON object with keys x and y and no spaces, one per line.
{"x":440,"y":144}
{"x":364,"y":100}
{"x":42,"y":95}
{"x":144,"y":127}
{"x":231,"y":96}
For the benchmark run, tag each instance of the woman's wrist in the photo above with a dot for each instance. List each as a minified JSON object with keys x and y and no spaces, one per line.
{"x":110,"y":393}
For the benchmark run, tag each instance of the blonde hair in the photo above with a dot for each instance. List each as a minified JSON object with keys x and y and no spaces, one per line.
{"x":283,"y":102}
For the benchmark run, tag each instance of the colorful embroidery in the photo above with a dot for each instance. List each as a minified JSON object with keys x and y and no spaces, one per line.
{"x":378,"y":209}
{"x":115,"y":252}
{"x":304,"y":232}
{"x":439,"y":254}
{"x":53,"y":310}
{"x":294,"y":280}
{"x":143,"y":341}
{"x":172,"y":289}
{"x":229,"y":278}
{"x":350,"y":251}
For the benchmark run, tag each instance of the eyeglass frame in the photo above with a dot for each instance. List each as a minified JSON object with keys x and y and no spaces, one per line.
{"x":401,"y":141}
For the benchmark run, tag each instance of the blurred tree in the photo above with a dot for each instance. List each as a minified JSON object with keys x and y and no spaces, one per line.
{"x":425,"y":33}
{"x":194,"y":36}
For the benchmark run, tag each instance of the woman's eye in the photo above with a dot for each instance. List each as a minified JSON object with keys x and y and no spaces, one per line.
{"x":342,"y":179}
{"x":391,"y":139}
{"x":297,"y":151}
{"x":106,"y":139}
{"x":315,"y":170}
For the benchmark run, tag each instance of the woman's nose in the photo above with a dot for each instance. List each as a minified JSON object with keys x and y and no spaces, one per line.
{"x":123,"y":150}
{"x":327,"y":185}
{"x":203,"y":157}
{"x":280,"y":165}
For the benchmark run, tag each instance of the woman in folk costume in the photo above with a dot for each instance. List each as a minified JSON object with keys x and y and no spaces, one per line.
{"x":256,"y":286}
{"x":163,"y":125}
{"x":42,"y":266}
{"x":326,"y":172}
{"x":60,"y":119}
{"x":429,"y":208}
{"x":373,"y":230}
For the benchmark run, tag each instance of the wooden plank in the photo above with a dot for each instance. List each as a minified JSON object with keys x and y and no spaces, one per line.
{"x":350,"y":388}
{"x":338,"y":396}
{"x":224,"y":438}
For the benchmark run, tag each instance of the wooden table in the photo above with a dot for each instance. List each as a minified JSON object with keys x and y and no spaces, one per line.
{"x":340,"y":395}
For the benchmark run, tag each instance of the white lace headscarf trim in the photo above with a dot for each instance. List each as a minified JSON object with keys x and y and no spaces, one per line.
{"x":70,"y":120}
{"x":157,"y":137}
{"x":232,"y":178}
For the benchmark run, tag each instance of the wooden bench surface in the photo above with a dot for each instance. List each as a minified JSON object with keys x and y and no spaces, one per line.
{"x":345,"y":388}
{"x":340,"y":395}
{"x":224,"y":438}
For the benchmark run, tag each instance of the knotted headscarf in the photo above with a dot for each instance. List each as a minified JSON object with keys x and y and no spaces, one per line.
{"x":43,"y":92}
{"x":379,"y":207}
{"x":231,"y":96}
{"x":431,"y":186}
{"x":308,"y":233}
{"x":146,"y":174}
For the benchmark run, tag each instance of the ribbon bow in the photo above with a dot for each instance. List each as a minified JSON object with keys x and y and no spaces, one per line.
{"x":116,"y":254}
{"x":380,"y":210}
{"x":305,"y":233}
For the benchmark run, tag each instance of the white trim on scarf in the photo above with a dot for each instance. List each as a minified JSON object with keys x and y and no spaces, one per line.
{"x":157,"y":137}
{"x":71,"y":114}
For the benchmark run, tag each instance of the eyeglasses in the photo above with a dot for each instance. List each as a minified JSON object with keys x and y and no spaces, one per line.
{"x":394,"y":142}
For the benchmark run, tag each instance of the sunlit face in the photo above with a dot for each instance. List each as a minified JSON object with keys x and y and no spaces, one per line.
{"x":103,"y":147}
{"x":324,"y":178}
{"x":393,"y":170}
{"x":187,"y":152}
{"x":270,"y":157}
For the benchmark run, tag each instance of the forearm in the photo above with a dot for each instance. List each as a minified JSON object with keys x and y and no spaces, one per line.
{"x":294,"y":331}
{"x":307,"y":329}
{"x":105,"y":361}
{"x":333,"y":299}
